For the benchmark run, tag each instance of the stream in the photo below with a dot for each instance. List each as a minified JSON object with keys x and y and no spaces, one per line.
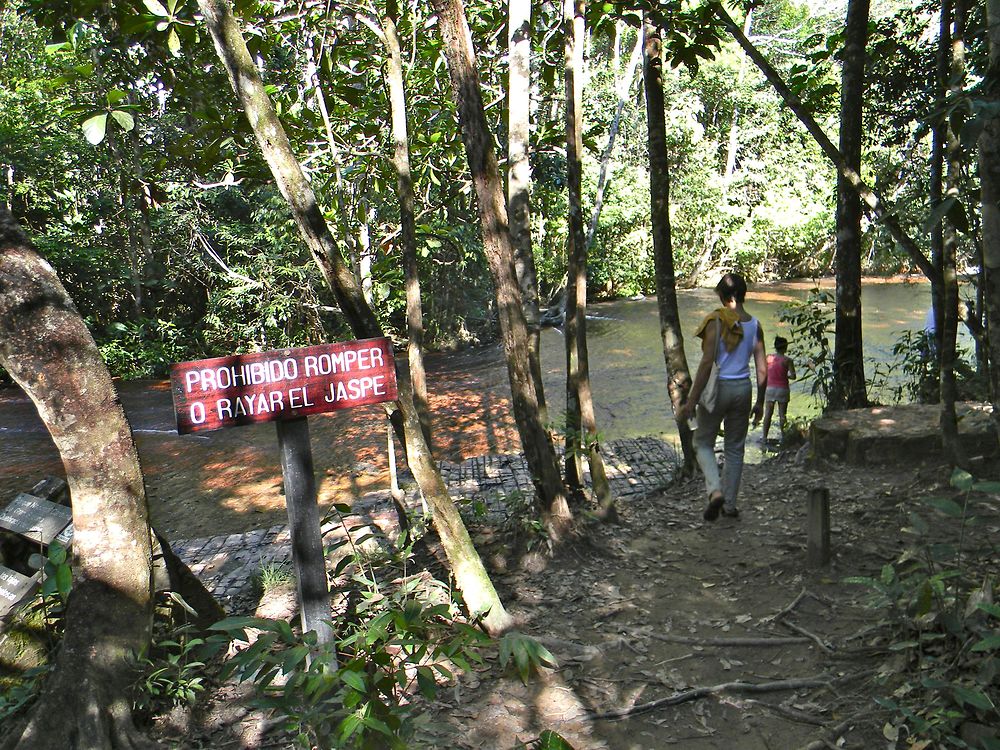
{"x":626,"y":357}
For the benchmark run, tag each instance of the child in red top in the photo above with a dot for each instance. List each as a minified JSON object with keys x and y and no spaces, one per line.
{"x":780,"y":369}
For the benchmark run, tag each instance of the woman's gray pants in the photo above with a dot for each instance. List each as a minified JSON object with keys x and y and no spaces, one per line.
{"x":732,"y":411}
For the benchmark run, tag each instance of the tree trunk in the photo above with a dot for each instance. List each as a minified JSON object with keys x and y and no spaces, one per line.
{"x":519,"y":182}
{"x":624,"y":84}
{"x":989,"y":172}
{"x":581,"y":422}
{"x":408,"y":231}
{"x":848,"y":388}
{"x":125,"y":203}
{"x":47,"y":349}
{"x":678,"y":375}
{"x":948,"y":322}
{"x":471,"y":576}
{"x":714,"y":230}
{"x":479,"y":148}
{"x":573,"y":48}
{"x":936,"y":176}
{"x":875,"y":205}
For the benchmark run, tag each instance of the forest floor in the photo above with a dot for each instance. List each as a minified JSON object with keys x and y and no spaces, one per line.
{"x":646,"y":609}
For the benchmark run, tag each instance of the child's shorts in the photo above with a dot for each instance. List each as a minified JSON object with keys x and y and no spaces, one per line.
{"x":778,"y":395}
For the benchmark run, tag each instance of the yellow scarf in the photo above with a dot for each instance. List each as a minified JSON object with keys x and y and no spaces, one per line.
{"x":732,"y":330}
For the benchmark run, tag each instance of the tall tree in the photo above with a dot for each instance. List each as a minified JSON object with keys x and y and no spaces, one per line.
{"x":47,"y":349}
{"x":519,"y":181}
{"x":678,"y":374}
{"x":479,"y":148}
{"x":948,"y":320}
{"x":389,"y":35}
{"x":989,"y":173}
{"x":622,"y":90}
{"x":573,"y":31}
{"x":848,"y":388}
{"x":472,"y":578}
{"x":581,"y":422}
{"x":939,"y":136}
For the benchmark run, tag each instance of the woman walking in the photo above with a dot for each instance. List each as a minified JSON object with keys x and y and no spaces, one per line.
{"x":730,"y":336}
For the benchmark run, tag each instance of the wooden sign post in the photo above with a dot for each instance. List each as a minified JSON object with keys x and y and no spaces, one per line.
{"x":818,"y":527}
{"x":285,"y":387}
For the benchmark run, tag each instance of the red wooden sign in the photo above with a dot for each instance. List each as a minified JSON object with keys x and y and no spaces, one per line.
{"x":249,"y":388}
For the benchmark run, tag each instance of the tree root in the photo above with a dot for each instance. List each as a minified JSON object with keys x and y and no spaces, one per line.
{"x":82,"y":722}
{"x":85,"y":703}
{"x":736,"y":640}
{"x":791,"y":714}
{"x":727,"y":687}
{"x":831,"y":734}
{"x":824,"y":647}
{"x":787,"y":610}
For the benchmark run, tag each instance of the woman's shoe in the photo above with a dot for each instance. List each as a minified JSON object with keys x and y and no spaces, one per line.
{"x":731,"y":512}
{"x":715,"y":504}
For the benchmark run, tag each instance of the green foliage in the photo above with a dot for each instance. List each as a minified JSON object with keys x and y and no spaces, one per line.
{"x":524,"y":655}
{"x":20,"y":694}
{"x":145,"y":349}
{"x":914,"y":353}
{"x":399,"y":636}
{"x":547,"y":740}
{"x":44,"y":615}
{"x":172,"y":203}
{"x":621,"y":264}
{"x":356,"y":700}
{"x":57,"y":578}
{"x":914,"y":375}
{"x":943,"y":625}
{"x":172,"y":675}
{"x":811,"y":322}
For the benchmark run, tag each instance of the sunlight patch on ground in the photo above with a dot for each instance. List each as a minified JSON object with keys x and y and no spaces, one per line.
{"x":255,"y":496}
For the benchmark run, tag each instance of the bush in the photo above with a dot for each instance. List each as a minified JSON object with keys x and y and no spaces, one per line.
{"x":944,"y":627}
{"x":398,"y":635}
{"x":146,"y":349}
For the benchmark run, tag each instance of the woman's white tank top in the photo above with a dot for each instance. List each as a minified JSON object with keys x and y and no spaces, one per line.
{"x":735,"y":365}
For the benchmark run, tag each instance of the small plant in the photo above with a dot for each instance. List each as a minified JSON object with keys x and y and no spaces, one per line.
{"x":547,"y":740}
{"x":914,"y":351}
{"x":57,"y":582}
{"x":47,"y":610}
{"x":354,"y":693}
{"x":915,"y":356}
{"x":397,"y":636}
{"x":172,"y":674}
{"x":57,"y":573}
{"x":274,"y":575}
{"x":18,"y":695}
{"x":524,"y":654}
{"x":946,"y":626}
{"x":812,"y":323}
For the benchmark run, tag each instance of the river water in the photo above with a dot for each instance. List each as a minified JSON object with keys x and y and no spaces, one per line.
{"x":626,"y":357}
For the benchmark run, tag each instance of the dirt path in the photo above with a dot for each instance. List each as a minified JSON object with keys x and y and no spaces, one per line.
{"x":610,"y":609}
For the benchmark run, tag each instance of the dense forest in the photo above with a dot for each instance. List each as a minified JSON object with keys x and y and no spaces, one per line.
{"x":128,"y":161}
{"x":184,"y":180}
